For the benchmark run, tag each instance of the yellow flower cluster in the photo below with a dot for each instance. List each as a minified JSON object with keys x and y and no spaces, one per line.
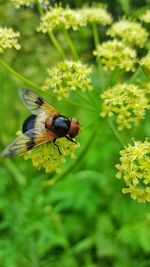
{"x":8,"y":39}
{"x":47,"y":155}
{"x":127,"y":101}
{"x":135,"y":170}
{"x":68,"y":76}
{"x":145,"y":62}
{"x":98,"y":15}
{"x":27,"y":3}
{"x":146,"y":17}
{"x":61,"y":18}
{"x":115,"y":54}
{"x":132,"y":33}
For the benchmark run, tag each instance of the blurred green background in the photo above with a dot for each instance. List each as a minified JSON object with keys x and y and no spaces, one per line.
{"x":83,"y":219}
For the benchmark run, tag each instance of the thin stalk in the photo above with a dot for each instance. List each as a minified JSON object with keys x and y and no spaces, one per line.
{"x":95,"y":34}
{"x":91,"y":96}
{"x":135,"y":75}
{"x":88,"y":101}
{"x":56,"y":44}
{"x":96,"y":41}
{"x":51,"y":34}
{"x":114,"y":77}
{"x":71,"y":45}
{"x":90,"y":124}
{"x":40,"y":9}
{"x":15,"y":172}
{"x":75,"y":103}
{"x":19,"y":76}
{"x":115,"y":132}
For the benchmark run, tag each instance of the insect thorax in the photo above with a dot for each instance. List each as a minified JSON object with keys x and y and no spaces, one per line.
{"x":61,"y":125}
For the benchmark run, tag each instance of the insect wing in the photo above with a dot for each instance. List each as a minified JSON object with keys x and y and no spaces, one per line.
{"x":27,"y":141}
{"x":36,"y":103}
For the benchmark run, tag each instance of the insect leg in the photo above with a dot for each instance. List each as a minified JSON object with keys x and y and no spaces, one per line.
{"x":71,"y":139}
{"x":57,"y":146}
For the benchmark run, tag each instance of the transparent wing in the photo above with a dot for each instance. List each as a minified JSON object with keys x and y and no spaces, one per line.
{"x":28,"y":141}
{"x":36,"y":103}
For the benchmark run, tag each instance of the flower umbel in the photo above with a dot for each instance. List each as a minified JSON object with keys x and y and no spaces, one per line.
{"x":146,"y":17}
{"x":27,"y":3}
{"x":145,"y":63}
{"x":97,"y":14}
{"x":60,"y":18}
{"x":115,"y":54}
{"x":68,"y":76}
{"x":127,"y":101}
{"x":8,"y":39}
{"x":132,"y":33}
{"x":47,"y":155}
{"x":135,"y":170}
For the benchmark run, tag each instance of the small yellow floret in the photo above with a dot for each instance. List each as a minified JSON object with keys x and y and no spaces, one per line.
{"x":134,"y":168}
{"x":115,"y":54}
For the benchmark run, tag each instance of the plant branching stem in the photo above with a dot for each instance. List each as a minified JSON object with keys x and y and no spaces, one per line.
{"x":88,"y":101}
{"x":19,"y":76}
{"x":71,"y":45}
{"x":96,"y":41}
{"x":56,"y":44}
{"x":115,"y":132}
{"x":51,"y":34}
{"x":90,"y":124}
{"x":15,"y":172}
{"x":93,"y":99}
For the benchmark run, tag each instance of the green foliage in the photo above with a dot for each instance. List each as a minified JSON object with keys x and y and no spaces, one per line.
{"x":79,"y":217}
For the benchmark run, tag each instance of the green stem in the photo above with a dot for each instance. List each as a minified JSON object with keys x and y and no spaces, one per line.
{"x":135,"y":75}
{"x":90,"y":124}
{"x":56,"y":44}
{"x":117,"y":135}
{"x":114,"y":77}
{"x":71,"y":45}
{"x":141,"y":74}
{"x":92,"y":105}
{"x":96,"y":41}
{"x":93,"y":99}
{"x":40,"y":9}
{"x":79,"y":105}
{"x":19,"y":76}
{"x":95,"y":34}
{"x":51,"y":34}
{"x":15,"y":172}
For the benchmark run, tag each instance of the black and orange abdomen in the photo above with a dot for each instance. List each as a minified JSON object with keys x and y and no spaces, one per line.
{"x":29,"y":123}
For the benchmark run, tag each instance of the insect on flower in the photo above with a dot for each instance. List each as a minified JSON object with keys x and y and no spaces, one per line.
{"x":44,"y":125}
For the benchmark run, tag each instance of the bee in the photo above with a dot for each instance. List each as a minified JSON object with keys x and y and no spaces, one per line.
{"x":45,"y":124}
